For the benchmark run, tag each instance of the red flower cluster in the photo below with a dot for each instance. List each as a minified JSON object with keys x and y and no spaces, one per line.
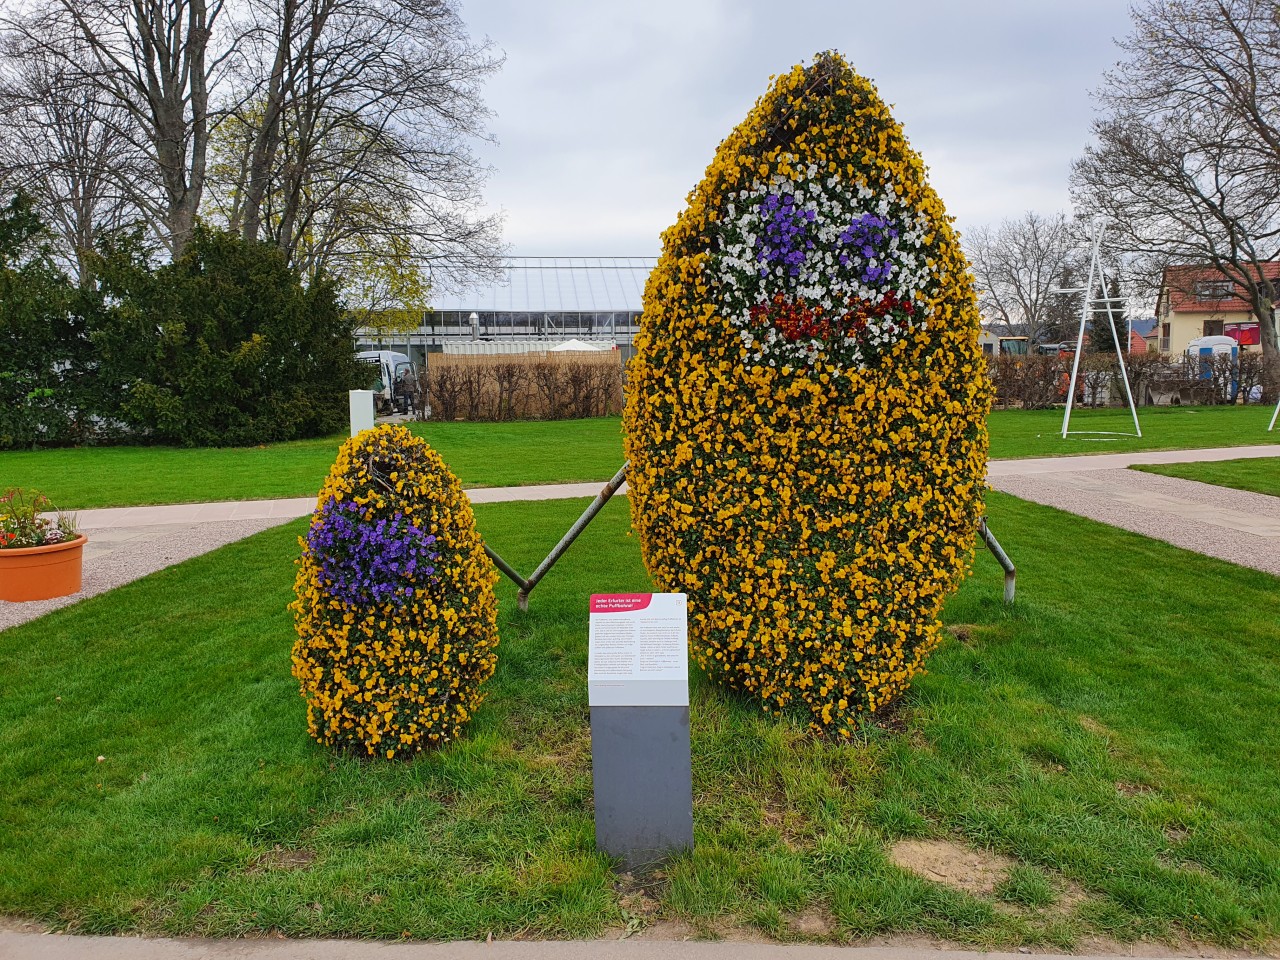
{"x":794,"y":319}
{"x":797,"y":320}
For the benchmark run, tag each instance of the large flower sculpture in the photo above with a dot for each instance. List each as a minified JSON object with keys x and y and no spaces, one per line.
{"x":806,"y":410}
{"x":395,"y":612}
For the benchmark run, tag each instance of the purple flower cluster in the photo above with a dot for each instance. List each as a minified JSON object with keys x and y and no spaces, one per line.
{"x":786,"y":236}
{"x":370,"y":561}
{"x":868,"y":236}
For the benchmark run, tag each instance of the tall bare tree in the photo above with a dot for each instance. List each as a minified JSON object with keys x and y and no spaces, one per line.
{"x":1017,"y":266}
{"x":65,"y":148}
{"x":1186,"y":153}
{"x":355,"y":132}
{"x":158,"y":62}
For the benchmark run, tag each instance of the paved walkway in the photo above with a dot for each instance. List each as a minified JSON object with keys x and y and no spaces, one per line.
{"x":1233,"y":525}
{"x":126,"y":543}
{"x":29,"y":946}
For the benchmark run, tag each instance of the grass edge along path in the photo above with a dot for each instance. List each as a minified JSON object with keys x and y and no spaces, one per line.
{"x":1112,"y":734}
{"x":1254,"y":475}
{"x":481,"y":454}
{"x":533,"y":452}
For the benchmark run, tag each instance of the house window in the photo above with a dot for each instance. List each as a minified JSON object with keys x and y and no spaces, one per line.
{"x":1213,"y":328}
{"x":1213,"y":289}
{"x":1164,"y":338}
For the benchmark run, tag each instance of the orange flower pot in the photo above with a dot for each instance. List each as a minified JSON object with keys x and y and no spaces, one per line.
{"x":41,"y":573}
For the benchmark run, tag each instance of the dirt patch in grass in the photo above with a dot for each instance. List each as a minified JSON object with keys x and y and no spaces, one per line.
{"x":1133,"y":789}
{"x":950,"y":863}
{"x":283,"y":858}
{"x":812,"y":924}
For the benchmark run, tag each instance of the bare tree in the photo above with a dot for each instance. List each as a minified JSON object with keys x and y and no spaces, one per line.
{"x":1017,"y":266}
{"x":1186,"y":158}
{"x":157,"y":62}
{"x":65,"y":148}
{"x":355,"y":133}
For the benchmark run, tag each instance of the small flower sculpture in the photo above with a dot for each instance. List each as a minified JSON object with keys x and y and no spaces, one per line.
{"x":395,"y":612}
{"x":806,"y":415}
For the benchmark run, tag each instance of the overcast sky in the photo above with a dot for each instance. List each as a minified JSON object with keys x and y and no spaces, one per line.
{"x":608,"y":112}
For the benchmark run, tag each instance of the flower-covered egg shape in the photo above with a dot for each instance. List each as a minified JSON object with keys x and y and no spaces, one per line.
{"x":395,"y":613}
{"x":806,"y":411}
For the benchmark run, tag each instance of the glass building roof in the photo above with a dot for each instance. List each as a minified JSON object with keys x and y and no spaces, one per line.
{"x":557,"y":285}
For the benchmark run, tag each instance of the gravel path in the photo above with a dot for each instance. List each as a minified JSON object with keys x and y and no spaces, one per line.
{"x":115,"y":556}
{"x":1233,"y":525}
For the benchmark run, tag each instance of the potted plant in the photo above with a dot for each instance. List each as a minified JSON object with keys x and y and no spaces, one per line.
{"x":40,"y":555}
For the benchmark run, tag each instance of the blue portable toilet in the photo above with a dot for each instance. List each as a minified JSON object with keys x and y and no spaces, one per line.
{"x":1206,"y":348}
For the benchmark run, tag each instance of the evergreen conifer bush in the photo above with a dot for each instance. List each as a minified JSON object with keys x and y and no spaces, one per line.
{"x":395,"y":612}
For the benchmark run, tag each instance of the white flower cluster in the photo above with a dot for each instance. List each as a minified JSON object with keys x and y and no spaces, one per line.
{"x":821,"y":248}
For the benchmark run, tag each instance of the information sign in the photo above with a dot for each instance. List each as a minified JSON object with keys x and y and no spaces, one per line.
{"x":639,"y":646}
{"x":638,"y":685}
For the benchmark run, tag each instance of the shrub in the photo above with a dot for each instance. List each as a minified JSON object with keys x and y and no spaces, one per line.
{"x":1145,"y":371}
{"x":43,"y":348}
{"x":395,"y":611}
{"x":806,"y":409}
{"x":536,"y":386}
{"x":223,"y":346}
{"x":1251,"y":369}
{"x":1033,"y":382}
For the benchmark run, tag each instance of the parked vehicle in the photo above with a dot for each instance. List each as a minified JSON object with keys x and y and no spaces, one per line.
{"x":393,"y":380}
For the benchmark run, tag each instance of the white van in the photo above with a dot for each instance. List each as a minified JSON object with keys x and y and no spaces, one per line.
{"x":393,"y":380}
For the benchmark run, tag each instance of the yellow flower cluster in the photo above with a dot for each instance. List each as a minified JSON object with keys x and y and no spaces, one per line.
{"x":394,"y":674}
{"x":818,"y":515}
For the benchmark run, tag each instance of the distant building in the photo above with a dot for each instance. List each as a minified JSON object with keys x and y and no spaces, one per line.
{"x":1201,"y":302}
{"x":536,"y":303}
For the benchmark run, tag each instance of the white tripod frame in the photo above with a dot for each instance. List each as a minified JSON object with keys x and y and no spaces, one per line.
{"x":1088,"y":306}
{"x":1273,"y":417}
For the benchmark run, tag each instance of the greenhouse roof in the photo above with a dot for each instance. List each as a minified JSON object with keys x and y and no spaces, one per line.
{"x":558,"y":285}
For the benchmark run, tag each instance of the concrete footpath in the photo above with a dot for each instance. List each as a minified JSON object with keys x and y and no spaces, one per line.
{"x":30,"y":946}
{"x":126,"y":543}
{"x":1233,"y":525}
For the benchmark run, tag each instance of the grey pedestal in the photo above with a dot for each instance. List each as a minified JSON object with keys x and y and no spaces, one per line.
{"x":643,"y":780}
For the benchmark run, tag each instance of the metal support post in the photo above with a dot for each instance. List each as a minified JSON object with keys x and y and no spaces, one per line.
{"x":1084,"y":319}
{"x":526,"y":586}
{"x":1273,"y":417}
{"x":506,"y":568}
{"x":566,"y":541}
{"x":1124,"y":373}
{"x":1097,"y":270}
{"x":606,"y":494}
{"x":997,"y":551}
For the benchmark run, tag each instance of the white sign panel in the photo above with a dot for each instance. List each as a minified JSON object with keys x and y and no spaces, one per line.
{"x":639,"y":654}
{"x":361,"y":402}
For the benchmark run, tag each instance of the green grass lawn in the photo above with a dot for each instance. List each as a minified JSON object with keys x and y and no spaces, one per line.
{"x":1038,"y":433}
{"x":509,"y":454}
{"x":481,"y":454}
{"x":1259,"y":475}
{"x":1114,"y":733}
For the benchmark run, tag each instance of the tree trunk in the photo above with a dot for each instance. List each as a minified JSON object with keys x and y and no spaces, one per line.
{"x":267,"y":138}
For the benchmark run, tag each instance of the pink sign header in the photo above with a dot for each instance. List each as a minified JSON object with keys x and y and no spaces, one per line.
{"x":619,"y":602}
